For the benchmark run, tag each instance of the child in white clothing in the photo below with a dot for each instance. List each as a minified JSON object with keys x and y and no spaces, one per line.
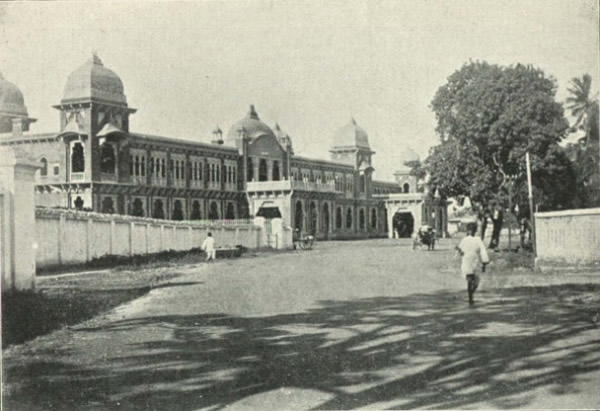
{"x":473,"y":253}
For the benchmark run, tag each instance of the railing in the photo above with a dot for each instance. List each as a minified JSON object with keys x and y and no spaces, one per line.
{"x":282,"y":185}
{"x":75,"y":177}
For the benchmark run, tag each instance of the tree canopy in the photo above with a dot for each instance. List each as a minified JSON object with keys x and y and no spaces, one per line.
{"x":488,"y":117}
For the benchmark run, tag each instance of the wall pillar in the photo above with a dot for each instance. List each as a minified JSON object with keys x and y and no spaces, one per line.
{"x":17,"y":209}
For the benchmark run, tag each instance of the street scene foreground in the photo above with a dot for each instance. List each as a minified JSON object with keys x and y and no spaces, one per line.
{"x":357,"y":324}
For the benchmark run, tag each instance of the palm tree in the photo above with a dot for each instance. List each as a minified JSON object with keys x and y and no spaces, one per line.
{"x":583,"y":106}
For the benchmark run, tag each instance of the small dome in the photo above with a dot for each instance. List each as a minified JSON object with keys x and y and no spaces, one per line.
{"x":351,"y":135}
{"x":94,"y":81}
{"x":11,"y":99}
{"x":403,"y":156}
{"x":251,"y":125}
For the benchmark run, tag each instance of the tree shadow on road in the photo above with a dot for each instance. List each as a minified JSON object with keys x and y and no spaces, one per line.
{"x":417,"y":351}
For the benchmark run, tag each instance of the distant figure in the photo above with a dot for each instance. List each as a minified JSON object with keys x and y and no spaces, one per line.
{"x":473,"y":252}
{"x":209,"y":246}
{"x":497,"y":220}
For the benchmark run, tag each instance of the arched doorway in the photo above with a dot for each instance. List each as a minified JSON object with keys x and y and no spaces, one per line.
{"x":138,"y":208}
{"x":177,"y":211}
{"x":361,"y":218}
{"x":213,"y":211}
{"x":298,"y":218}
{"x":230,"y":213}
{"x":403,"y":223}
{"x":108,"y":205}
{"x":349,"y":218}
{"x":374,"y":219}
{"x":313,"y":218}
{"x":338,"y":218}
{"x":325,"y":220}
{"x":157,"y":210}
{"x":196,"y":214}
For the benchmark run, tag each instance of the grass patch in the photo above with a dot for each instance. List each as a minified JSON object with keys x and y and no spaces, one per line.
{"x":28,"y":314}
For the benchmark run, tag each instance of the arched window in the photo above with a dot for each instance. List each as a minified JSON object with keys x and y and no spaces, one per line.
{"x":362,"y":183}
{"x":152,"y":170}
{"x":196,"y":214}
{"x":361,"y":218}
{"x":131,"y":164}
{"x":44,"y":169}
{"x":262,"y":170}
{"x":276,"y":176}
{"x":338,"y":217}
{"x":349,"y":218}
{"x":77,"y":159}
{"x":250,"y":170}
{"x":108,"y":159}
{"x":78,"y":203}
{"x":158,"y":210}
{"x":313,"y":218}
{"x":137,"y":165}
{"x":406,"y":188}
{"x":143,"y":166}
{"x":374,"y":218}
{"x":163,"y":169}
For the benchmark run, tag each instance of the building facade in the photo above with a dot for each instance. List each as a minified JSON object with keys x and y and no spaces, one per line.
{"x":95,"y":162}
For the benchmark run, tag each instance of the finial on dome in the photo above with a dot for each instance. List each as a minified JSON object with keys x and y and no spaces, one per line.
{"x":252,"y":114}
{"x":95,"y":59}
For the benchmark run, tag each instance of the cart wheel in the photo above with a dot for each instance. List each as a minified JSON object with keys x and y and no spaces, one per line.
{"x":309,"y":243}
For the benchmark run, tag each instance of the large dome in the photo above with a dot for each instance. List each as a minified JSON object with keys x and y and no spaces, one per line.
{"x":351,"y":135}
{"x":94,"y":81}
{"x":11,"y":99}
{"x":251,"y":125}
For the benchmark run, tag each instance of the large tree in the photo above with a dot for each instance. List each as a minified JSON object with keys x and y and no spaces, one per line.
{"x":488,"y":117}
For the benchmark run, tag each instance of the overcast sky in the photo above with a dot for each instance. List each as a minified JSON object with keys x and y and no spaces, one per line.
{"x":309,"y":65}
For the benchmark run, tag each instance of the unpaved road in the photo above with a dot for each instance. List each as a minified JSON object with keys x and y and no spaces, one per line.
{"x":366,"y":324}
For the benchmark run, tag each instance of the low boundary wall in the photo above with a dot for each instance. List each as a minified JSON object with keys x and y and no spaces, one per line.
{"x":568,"y":239}
{"x":73,"y":237}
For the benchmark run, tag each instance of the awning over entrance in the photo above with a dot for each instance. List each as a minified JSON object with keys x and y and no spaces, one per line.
{"x":269,"y":212}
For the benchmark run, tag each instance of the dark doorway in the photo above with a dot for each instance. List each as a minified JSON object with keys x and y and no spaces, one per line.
{"x":403,"y":224}
{"x":108,"y":205}
{"x":276,"y":175}
{"x":107,"y":158}
{"x":249,"y":170}
{"x":138,"y":208}
{"x":213,"y":211}
{"x":361,"y":219}
{"x":77,"y":159}
{"x":196,"y":214}
{"x":374,"y":219}
{"x":313,"y":218}
{"x":230,"y":213}
{"x":298,"y":216}
{"x":158,"y":210}
{"x":325,"y":219}
{"x":177,"y":211}
{"x":338,"y":218}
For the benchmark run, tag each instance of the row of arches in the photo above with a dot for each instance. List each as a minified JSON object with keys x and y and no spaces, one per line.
{"x":138,"y":209}
{"x":263,"y":170}
{"x":343,"y":219}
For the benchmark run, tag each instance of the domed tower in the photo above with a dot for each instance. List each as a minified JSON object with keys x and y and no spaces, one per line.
{"x":93,"y":111}
{"x":350,"y":145}
{"x":407,"y":182}
{"x":249,"y":127}
{"x":13,"y":113}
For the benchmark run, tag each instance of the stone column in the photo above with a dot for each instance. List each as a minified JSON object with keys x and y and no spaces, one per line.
{"x":269,"y":170}
{"x":17,"y":222}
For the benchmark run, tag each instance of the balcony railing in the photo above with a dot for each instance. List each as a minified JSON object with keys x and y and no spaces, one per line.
{"x":76,"y":177}
{"x":286,"y":185}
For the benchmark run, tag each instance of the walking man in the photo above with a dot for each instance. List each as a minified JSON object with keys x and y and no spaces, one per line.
{"x":209,"y":247}
{"x":473,"y":252}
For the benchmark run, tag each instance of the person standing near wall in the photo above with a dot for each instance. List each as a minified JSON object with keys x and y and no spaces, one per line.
{"x":209,"y":247}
